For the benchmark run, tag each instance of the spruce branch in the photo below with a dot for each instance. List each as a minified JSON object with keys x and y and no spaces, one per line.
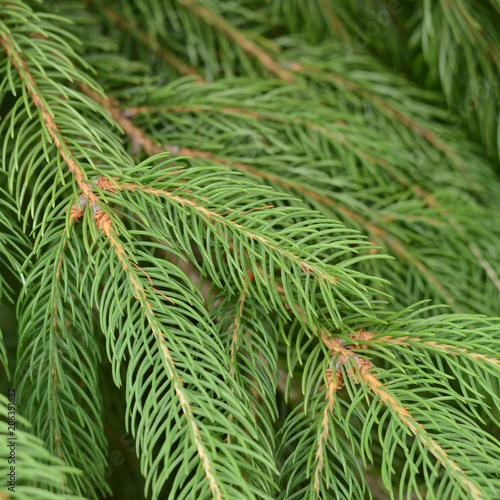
{"x":57,"y":350}
{"x":193,"y":391}
{"x":66,"y":135}
{"x":141,"y":35}
{"x":252,"y":240}
{"x":317,"y":460}
{"x":103,"y":223}
{"x":46,"y":114}
{"x":323,"y":440}
{"x":39,"y":475}
{"x":359,"y":368}
{"x":455,"y":43}
{"x":418,"y":430}
{"x":290,"y":69}
{"x":383,"y":230}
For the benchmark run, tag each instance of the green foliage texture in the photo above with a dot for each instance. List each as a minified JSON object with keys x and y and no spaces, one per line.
{"x":250,"y":249}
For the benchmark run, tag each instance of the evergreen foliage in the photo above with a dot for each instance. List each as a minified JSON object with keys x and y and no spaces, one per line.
{"x":224,"y":221}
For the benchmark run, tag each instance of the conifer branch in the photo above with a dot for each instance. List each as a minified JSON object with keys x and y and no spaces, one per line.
{"x":196,"y":429}
{"x":139,"y":137}
{"x":391,"y":242}
{"x":420,"y":433}
{"x":267,"y":247}
{"x":103,"y":222}
{"x":272,"y":115}
{"x":293,"y":72}
{"x":46,"y":113}
{"x":62,"y":414}
{"x":404,"y":341}
{"x":398,"y":248}
{"x":323,"y":440}
{"x":50,"y":325}
{"x":273,"y":246}
{"x":251,"y":48}
{"x":141,"y":35}
{"x":359,"y":369}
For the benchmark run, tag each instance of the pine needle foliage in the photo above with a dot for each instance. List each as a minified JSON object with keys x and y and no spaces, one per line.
{"x":265,"y":234}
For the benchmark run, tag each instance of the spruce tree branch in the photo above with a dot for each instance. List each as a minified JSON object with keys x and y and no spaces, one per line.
{"x":391,"y":241}
{"x":453,"y":350}
{"x":323,"y":439}
{"x":142,"y":36}
{"x":103,"y":222}
{"x":306,"y":267}
{"x":297,"y":70}
{"x":419,"y":432}
{"x":418,"y":190}
{"x":54,"y":384}
{"x":46,"y":114}
{"x":398,"y":249}
{"x":246,"y":44}
{"x":201,"y":377}
{"x":397,"y":246}
{"x":361,"y":373}
{"x":208,"y":405}
{"x":338,"y":138}
{"x":138,"y":136}
{"x":359,"y":370}
{"x":144,"y":141}
{"x":295,"y":186}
